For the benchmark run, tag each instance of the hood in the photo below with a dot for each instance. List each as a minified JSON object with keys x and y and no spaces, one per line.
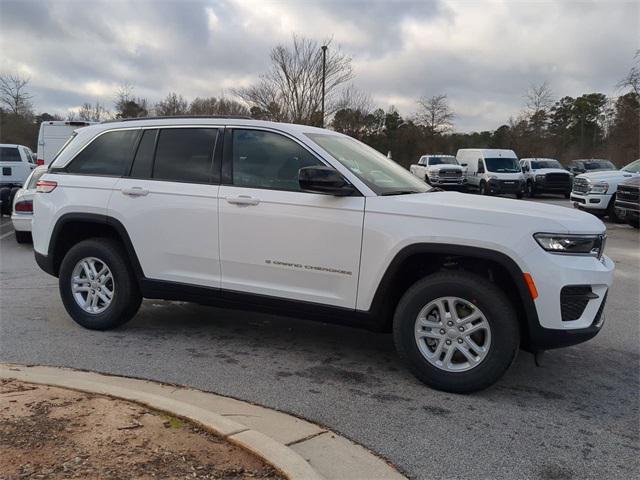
{"x":437,"y":168}
{"x":516,"y":215}
{"x":606,"y":175}
{"x":544,"y":171}
{"x":632,"y":182}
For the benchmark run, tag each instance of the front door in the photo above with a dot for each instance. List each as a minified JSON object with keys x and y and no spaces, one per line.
{"x":276,"y":240}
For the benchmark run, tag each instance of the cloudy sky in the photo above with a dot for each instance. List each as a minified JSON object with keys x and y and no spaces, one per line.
{"x":482,"y":54}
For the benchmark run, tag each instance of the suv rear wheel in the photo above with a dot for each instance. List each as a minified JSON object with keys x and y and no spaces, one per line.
{"x":456,"y":331}
{"x":97,"y":286}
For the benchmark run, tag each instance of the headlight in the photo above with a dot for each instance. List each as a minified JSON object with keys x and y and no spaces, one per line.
{"x":572,"y":244}
{"x":599,"y":187}
{"x":540,"y":177}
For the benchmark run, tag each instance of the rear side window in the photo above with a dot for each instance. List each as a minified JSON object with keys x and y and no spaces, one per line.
{"x":268,"y":160}
{"x":9,"y":154}
{"x":185,"y":155}
{"x":109,"y":154}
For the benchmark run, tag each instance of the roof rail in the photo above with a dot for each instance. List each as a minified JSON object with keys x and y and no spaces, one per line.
{"x":175,"y":117}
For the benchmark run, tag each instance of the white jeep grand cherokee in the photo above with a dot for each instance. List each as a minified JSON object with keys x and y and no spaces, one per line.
{"x":307,"y":222}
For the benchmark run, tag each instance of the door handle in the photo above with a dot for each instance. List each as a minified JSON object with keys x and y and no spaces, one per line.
{"x":135,"y":191}
{"x":243,"y":200}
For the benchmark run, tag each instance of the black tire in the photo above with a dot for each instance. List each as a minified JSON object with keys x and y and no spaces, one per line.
{"x":482,"y":189}
{"x":23,"y":237}
{"x":5,"y":193}
{"x":12,"y":195}
{"x":126,"y":298}
{"x":611,"y":211}
{"x":635,"y":223}
{"x":519,"y":195}
{"x":500,"y":314}
{"x":567,"y":195}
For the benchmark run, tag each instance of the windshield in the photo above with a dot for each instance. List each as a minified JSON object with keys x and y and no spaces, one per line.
{"x":536,"y":164}
{"x":600,"y":165}
{"x":443,"y":161}
{"x":502,"y":165}
{"x":633,"y":167}
{"x":383,"y":176}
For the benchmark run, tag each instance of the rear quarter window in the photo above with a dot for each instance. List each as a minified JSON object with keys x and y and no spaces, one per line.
{"x":109,"y":154}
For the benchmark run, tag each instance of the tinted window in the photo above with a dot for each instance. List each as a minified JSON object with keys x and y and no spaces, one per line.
{"x":443,"y":161}
{"x":268,"y":160}
{"x":109,"y":154}
{"x":185,"y":154}
{"x":143,"y":162}
{"x":9,"y":154}
{"x":502,"y":165}
{"x":536,"y":164}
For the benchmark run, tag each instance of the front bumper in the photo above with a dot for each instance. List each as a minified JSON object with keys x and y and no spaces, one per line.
{"x":21,"y":222}
{"x":553,"y":272}
{"x":505,"y":186}
{"x":590,"y":201}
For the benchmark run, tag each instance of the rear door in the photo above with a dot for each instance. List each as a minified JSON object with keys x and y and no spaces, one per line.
{"x":168,"y":204}
{"x":277,"y":240}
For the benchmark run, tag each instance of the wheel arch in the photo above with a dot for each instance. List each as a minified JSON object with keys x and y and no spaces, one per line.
{"x":416,"y":261}
{"x":72,"y":228}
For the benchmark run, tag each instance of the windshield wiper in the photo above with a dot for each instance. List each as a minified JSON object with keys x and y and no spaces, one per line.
{"x":398,"y":192}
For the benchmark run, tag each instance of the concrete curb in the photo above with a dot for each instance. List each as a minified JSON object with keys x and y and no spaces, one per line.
{"x":297,"y":448}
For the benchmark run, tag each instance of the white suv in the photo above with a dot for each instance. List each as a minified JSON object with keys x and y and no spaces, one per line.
{"x":307,"y":222}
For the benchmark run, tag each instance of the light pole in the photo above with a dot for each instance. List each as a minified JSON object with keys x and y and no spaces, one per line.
{"x":324,"y":73}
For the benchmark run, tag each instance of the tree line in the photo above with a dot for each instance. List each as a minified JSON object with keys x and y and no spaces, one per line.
{"x":591,"y":125}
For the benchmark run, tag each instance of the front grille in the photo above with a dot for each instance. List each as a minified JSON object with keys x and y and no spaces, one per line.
{"x":573,"y":301}
{"x":450,"y":174}
{"x":627,"y":193}
{"x":510,"y":185}
{"x":581,"y":185}
{"x":557,"y":179}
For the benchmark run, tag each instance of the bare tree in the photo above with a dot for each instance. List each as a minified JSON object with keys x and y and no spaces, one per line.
{"x":292,"y":89}
{"x":173,"y":104}
{"x":93,"y":113}
{"x":435,"y":113}
{"x":13,"y":93}
{"x":632,"y":80}
{"x":539,"y":98}
{"x":355,"y":99}
{"x":128,"y":106}
{"x":217,"y":106}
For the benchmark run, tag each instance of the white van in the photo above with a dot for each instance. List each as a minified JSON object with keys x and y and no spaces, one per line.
{"x":52,"y":136}
{"x":492,"y":171}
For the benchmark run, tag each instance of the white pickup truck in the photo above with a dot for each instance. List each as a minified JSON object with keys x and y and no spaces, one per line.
{"x":442,"y":171}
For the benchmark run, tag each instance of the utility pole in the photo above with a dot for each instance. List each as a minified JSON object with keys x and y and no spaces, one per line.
{"x":324,"y":74}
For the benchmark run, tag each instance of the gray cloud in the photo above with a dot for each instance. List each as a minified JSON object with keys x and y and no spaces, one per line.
{"x":484,"y":55}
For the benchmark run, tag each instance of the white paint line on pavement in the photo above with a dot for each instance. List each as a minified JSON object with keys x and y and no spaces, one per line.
{"x":6,"y":235}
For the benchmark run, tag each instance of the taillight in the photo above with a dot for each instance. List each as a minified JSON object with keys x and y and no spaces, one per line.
{"x":39,"y":161}
{"x":25,"y":206}
{"x":46,"y":186}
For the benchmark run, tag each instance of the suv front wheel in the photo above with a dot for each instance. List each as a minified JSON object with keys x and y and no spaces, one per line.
{"x":97,"y":286}
{"x":456,"y":331}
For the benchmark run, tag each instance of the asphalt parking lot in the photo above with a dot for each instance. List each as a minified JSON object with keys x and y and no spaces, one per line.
{"x":577,"y":416}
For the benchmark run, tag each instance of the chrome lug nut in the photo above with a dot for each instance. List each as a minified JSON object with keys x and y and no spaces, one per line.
{"x":450,"y":323}
{"x":461,"y":329}
{"x":442,"y":331}
{"x":459,"y":340}
{"x":448,"y":342}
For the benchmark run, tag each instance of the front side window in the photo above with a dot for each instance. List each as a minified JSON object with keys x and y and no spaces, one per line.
{"x":109,"y":154}
{"x":9,"y":154}
{"x":502,"y":165}
{"x":184,"y":154}
{"x":600,"y":165}
{"x":268,"y":160}
{"x":143,"y":161}
{"x":380,"y":174}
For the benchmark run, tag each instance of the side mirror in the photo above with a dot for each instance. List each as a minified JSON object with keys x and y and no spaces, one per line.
{"x":324,"y":180}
